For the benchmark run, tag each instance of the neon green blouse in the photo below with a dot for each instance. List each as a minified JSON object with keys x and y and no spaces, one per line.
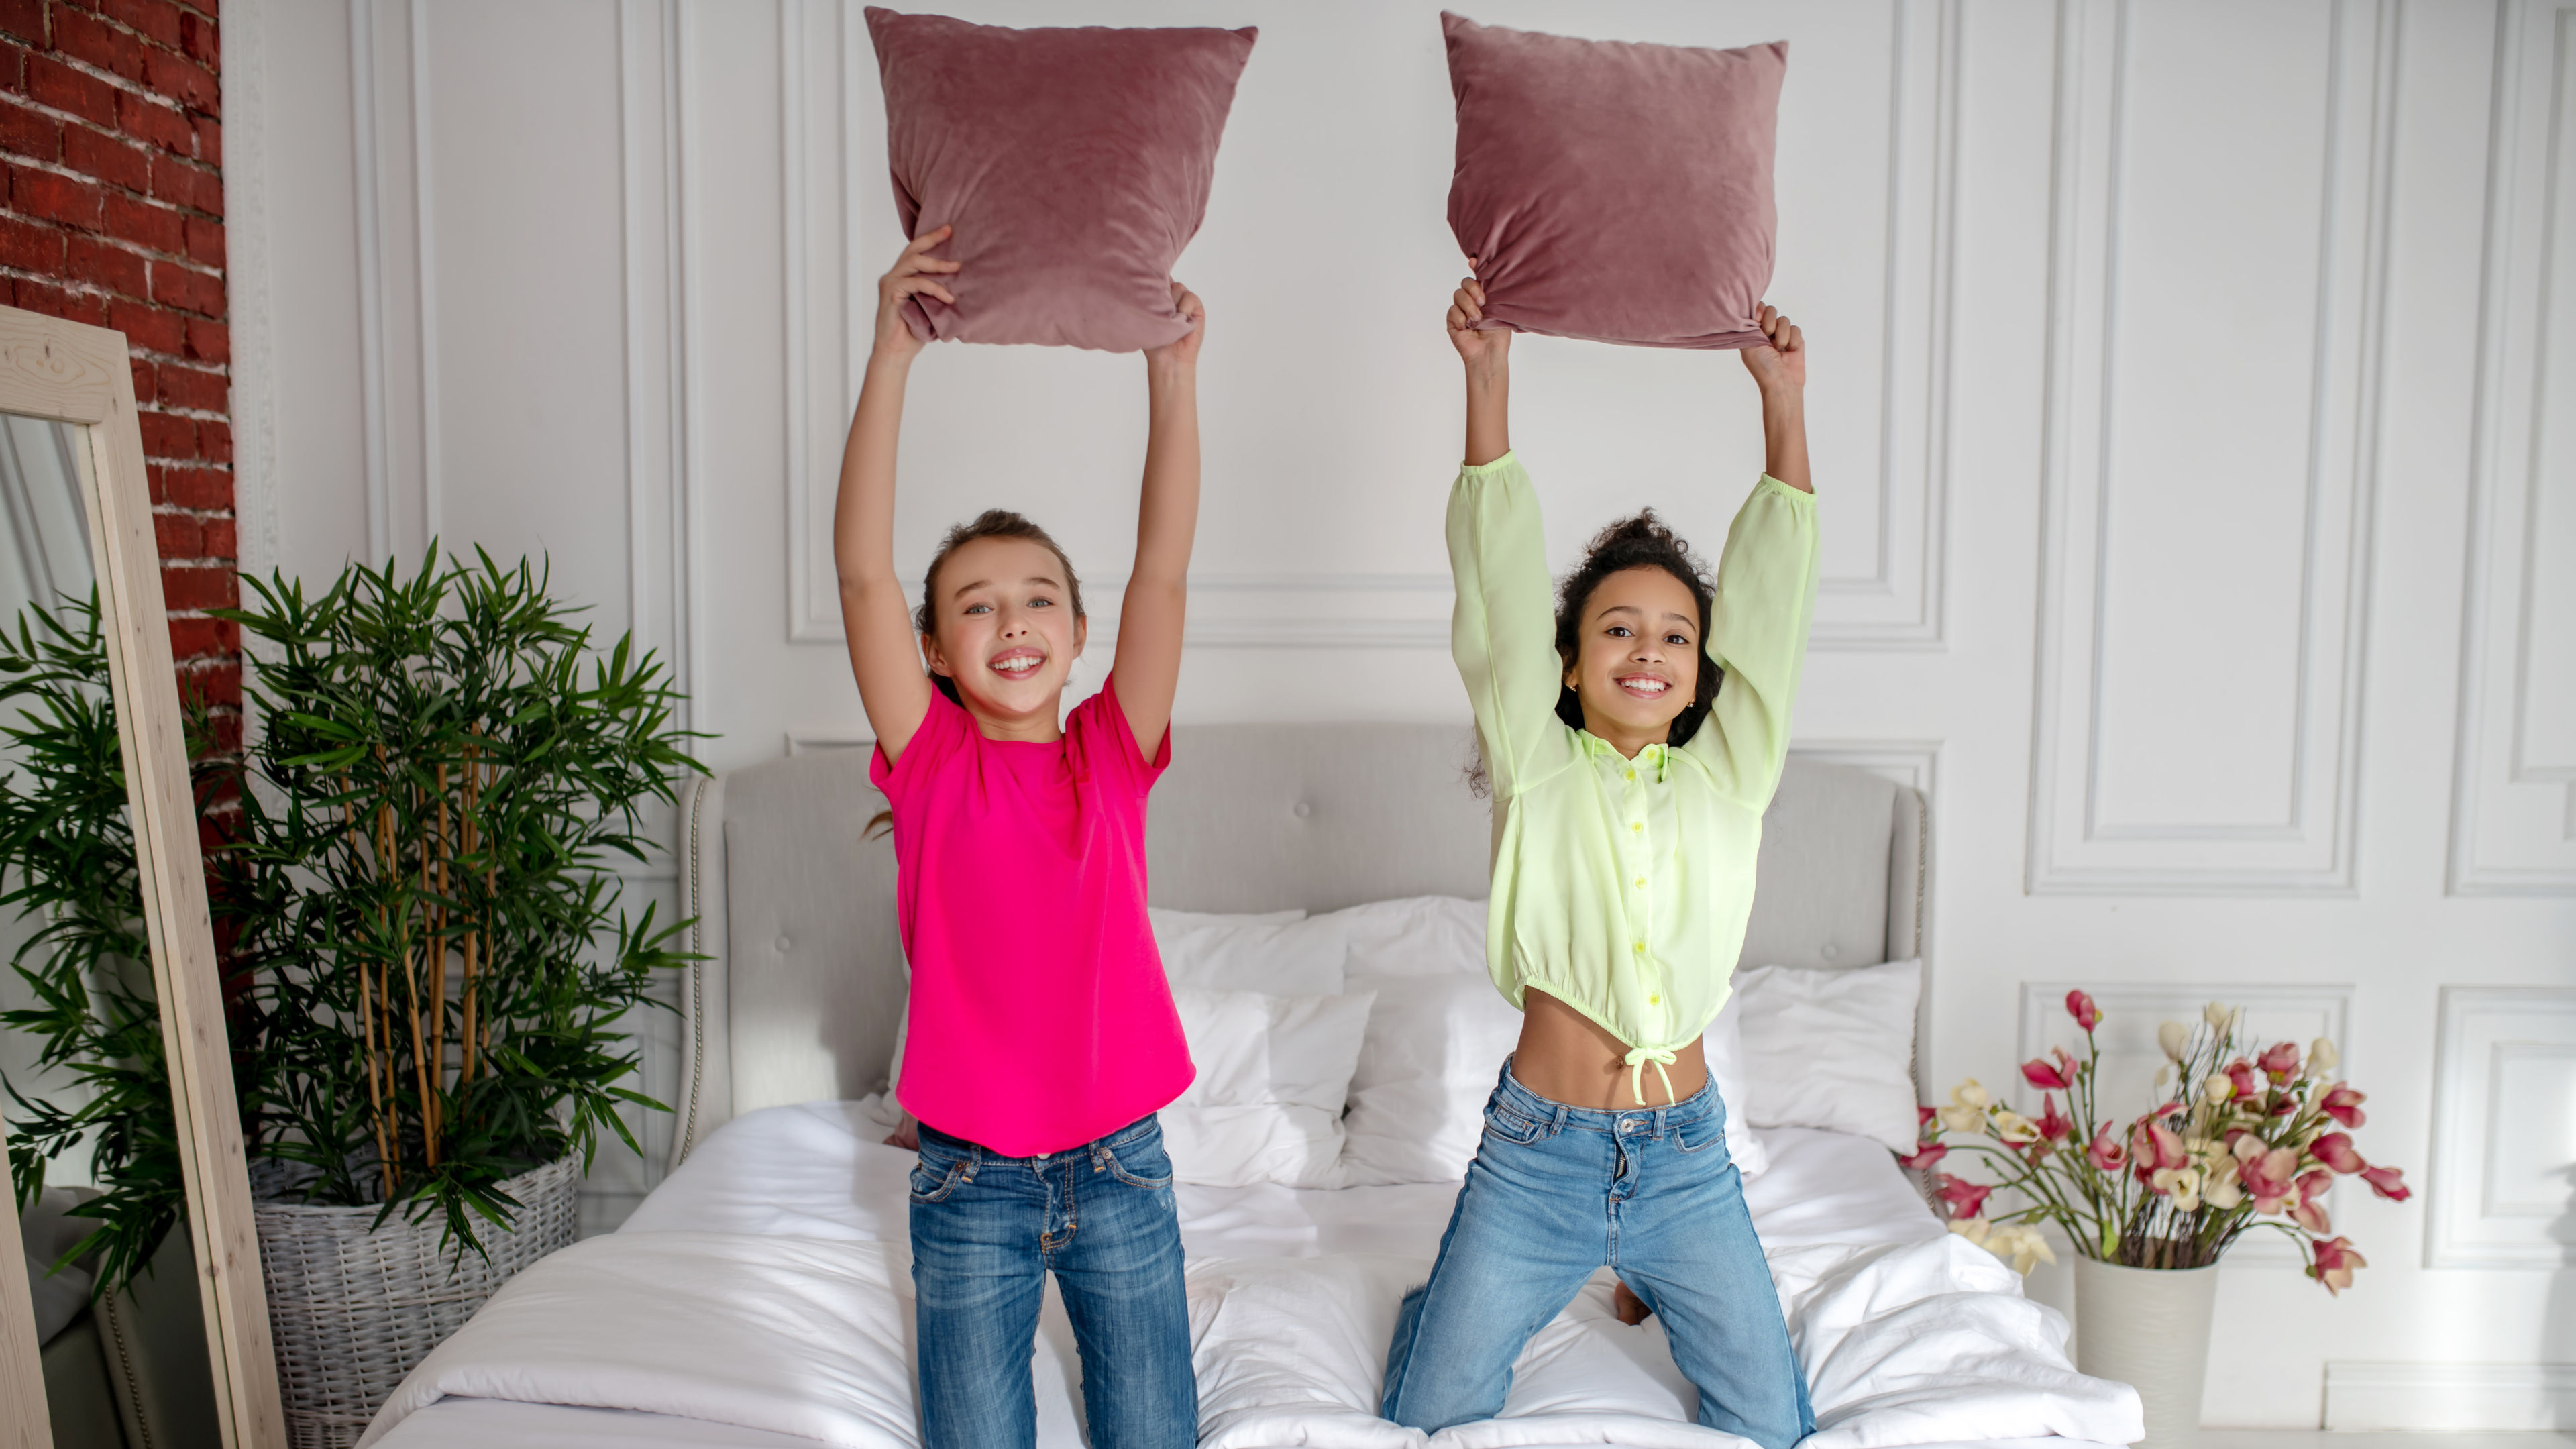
{"x":1621,"y":886}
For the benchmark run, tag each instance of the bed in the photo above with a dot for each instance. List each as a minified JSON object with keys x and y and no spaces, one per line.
{"x":759,"y":1296}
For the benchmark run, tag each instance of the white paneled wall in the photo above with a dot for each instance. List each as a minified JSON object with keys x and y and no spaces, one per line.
{"x":2194,"y":474}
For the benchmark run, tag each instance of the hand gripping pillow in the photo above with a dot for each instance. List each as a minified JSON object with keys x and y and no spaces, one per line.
{"x":1613,"y":191}
{"x":1074,"y":165}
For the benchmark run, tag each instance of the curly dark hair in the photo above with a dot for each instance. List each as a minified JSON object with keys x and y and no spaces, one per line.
{"x":1638,"y":541}
{"x":991,"y":523}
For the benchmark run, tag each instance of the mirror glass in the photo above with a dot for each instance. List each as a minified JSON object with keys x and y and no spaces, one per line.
{"x":51,"y":741}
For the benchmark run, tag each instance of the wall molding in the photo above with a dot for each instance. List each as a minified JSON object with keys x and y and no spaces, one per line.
{"x":658,"y":296}
{"x":397,"y":223}
{"x":1915,"y":764}
{"x":2473,"y":1219}
{"x":1897,"y":606}
{"x":2274,"y":1011}
{"x":247,"y":288}
{"x":424,"y":221}
{"x":371,"y":279}
{"x":2072,"y":848}
{"x":2456,"y":1396}
{"x":2513,"y":817}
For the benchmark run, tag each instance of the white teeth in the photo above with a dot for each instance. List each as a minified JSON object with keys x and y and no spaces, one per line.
{"x":1647,"y":686}
{"x":1017,"y":666}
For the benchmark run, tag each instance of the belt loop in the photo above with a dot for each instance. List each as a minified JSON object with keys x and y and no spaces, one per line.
{"x":1660,"y":1113}
{"x":1557,"y":1128}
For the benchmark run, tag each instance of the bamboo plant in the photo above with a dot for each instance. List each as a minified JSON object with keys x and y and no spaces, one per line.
{"x":67,"y":860}
{"x":434,"y":967}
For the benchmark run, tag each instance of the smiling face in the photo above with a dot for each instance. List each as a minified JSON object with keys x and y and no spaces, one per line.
{"x":1637,"y":657}
{"x":1004,"y":629}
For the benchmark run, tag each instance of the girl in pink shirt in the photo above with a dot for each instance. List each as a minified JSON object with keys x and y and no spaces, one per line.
{"x":1041,"y":1036}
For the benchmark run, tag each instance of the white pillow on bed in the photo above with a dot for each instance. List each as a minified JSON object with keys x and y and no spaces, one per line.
{"x":1273,"y":1074}
{"x":1724,"y":1044}
{"x":1437,"y":1039}
{"x":1415,"y":936}
{"x":1832,"y":1049}
{"x":1279,"y":952}
{"x":1434,"y":1046}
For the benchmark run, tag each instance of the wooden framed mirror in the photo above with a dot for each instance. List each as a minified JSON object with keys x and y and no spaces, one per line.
{"x":67,"y":394}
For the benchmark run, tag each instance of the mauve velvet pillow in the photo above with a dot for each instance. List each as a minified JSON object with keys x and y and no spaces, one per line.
{"x":1074,"y":165}
{"x":1614,"y":191}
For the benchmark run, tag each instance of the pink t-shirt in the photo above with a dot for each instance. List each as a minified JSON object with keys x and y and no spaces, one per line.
{"x":1040,"y":1016}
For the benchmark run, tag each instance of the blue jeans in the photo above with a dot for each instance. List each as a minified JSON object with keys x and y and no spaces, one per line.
{"x":1555,"y":1192}
{"x":987,"y":1229}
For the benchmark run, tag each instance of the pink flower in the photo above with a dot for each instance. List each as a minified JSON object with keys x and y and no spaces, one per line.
{"x":1921,"y":1161}
{"x":2267,"y":1178}
{"x":2081,"y":1007}
{"x":1923,"y":1117}
{"x":2053,"y":1124}
{"x":2154,"y":1147}
{"x":2281,"y":1060}
{"x":2335,"y":1151}
{"x":2335,"y":1262}
{"x":2105,"y":1152}
{"x":2058,"y":1075}
{"x":2386,"y":1181}
{"x":1965,"y":1199}
{"x":2343,"y":1104}
{"x":2312,"y":1185}
{"x":2241,"y":1076}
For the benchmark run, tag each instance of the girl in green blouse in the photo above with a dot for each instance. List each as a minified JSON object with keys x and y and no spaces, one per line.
{"x":1633,"y":727}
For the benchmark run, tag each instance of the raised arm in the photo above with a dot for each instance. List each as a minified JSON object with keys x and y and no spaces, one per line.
{"x":1502,"y":631}
{"x":1488,"y":358}
{"x":893,"y":687}
{"x":1766,"y":586}
{"x":1780,"y":370}
{"x":1147,"y":667}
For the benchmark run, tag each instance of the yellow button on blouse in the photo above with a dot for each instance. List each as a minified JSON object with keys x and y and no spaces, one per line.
{"x":1559,"y":919}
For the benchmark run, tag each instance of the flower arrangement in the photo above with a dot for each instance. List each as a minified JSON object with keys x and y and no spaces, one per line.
{"x":2242,"y":1140}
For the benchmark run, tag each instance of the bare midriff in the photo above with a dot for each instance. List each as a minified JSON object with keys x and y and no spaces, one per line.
{"x":1568,"y":1057}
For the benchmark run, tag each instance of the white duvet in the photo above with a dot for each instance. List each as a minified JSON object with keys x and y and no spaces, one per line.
{"x":778,"y":1302}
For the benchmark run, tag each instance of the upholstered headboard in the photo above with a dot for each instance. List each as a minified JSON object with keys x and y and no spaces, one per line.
{"x":803,"y":978}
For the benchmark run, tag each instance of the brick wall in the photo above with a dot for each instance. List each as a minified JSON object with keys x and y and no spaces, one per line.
{"x":111,"y":145}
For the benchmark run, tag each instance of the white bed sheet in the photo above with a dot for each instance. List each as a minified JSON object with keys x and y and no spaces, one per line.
{"x":820,"y":1171}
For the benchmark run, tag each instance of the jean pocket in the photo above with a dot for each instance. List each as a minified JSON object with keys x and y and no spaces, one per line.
{"x":1506,"y":1125}
{"x":1699,"y":1136}
{"x":936,"y":1175}
{"x":1140,"y":1161}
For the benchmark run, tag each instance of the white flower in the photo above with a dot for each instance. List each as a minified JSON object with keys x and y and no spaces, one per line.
{"x":2218,"y":1087}
{"x":1967,"y":1109}
{"x":2183,"y":1183}
{"x":2164,"y":1076}
{"x":2175,"y":1038}
{"x":2019,"y":1244}
{"x":2222,"y":1191}
{"x":2322,"y":1057}
{"x":2011,"y":1126}
{"x":1972,"y":1229}
{"x":2219,"y":1017}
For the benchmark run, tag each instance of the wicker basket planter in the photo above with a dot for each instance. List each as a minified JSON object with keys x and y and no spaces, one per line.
{"x":354,"y":1307}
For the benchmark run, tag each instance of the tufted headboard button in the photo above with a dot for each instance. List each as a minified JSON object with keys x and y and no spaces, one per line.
{"x":785,"y":945}
{"x":1832,"y":952}
{"x":1304,"y":809}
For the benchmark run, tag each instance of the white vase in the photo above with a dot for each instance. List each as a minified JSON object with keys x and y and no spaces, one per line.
{"x":2148,"y":1328}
